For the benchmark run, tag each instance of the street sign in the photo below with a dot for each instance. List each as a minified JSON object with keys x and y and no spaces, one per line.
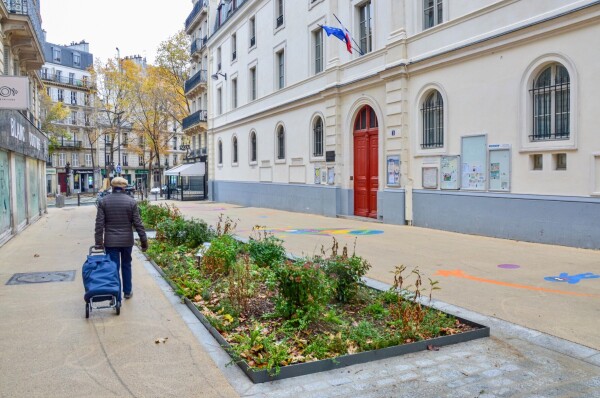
{"x":118,"y":168}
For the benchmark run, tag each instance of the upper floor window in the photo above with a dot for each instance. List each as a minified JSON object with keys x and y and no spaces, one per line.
{"x":73,"y":98}
{"x":432,"y":13}
{"x":280,"y":143}
{"x":318,"y":50}
{"x":318,"y":137}
{"x":235,"y":149}
{"x":76,"y":59}
{"x":220,"y":152}
{"x":252,"y":33}
{"x":551,"y":104}
{"x":56,"y":54}
{"x":433,"y":121}
{"x":61,"y":95}
{"x":253,"y":83}
{"x":279,"y":13}
{"x":366,"y":28}
{"x":253,"y":147}
{"x":233,"y":47}
{"x":280,"y":69}
{"x":234,"y":95}
{"x":71,"y":78}
{"x":219,"y":101}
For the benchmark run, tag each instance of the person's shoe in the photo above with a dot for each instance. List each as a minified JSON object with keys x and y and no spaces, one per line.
{"x":128,"y":295}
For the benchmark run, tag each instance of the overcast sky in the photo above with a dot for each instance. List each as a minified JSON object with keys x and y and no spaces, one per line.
{"x":136,"y":27}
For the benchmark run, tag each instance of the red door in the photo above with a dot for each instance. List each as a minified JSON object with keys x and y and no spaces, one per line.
{"x":62,"y":182}
{"x":366,"y":165}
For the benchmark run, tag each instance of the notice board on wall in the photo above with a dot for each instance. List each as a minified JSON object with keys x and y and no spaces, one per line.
{"x":500,"y":170}
{"x":450,"y":172}
{"x":474,"y":163}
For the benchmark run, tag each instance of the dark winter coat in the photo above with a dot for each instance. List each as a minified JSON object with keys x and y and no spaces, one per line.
{"x":117,"y":213}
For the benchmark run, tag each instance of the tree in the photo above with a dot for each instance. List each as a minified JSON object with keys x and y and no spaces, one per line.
{"x":53,"y":113}
{"x":174,"y":58}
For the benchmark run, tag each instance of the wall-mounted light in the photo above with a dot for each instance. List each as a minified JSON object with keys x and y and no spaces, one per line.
{"x":216,"y":76}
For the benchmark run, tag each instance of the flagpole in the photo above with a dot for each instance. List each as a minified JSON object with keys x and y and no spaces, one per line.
{"x":359,"y":47}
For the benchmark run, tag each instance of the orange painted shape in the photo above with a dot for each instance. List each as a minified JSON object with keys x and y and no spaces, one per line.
{"x":461,"y":274}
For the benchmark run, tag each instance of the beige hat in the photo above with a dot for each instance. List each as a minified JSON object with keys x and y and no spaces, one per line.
{"x":119,"y":182}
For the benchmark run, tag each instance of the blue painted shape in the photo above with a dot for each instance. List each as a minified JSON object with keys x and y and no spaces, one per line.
{"x":572,"y":279}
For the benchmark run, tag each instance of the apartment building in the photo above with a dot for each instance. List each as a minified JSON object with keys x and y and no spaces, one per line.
{"x":474,"y":117}
{"x":23,"y":147}
{"x":67,"y":77}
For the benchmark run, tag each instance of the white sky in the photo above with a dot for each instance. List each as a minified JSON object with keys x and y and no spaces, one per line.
{"x":135,"y":26}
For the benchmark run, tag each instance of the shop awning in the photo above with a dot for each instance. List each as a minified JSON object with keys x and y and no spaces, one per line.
{"x":188,"y":170}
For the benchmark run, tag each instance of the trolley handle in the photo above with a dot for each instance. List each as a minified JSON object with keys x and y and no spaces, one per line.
{"x":94,"y":250}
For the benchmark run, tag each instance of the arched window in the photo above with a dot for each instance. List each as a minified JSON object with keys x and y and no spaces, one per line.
{"x":253,"y":147}
{"x":433,"y":121}
{"x":280,"y":143}
{"x":235,"y":149}
{"x":220,"y":149}
{"x":551,"y":104}
{"x":318,"y":137}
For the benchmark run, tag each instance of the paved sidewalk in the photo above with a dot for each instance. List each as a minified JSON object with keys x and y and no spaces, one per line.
{"x":49,"y":349}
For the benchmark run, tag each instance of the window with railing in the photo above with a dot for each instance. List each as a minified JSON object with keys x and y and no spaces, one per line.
{"x":279,"y":14}
{"x":551,"y":96}
{"x":433,"y":121}
{"x":252,"y":34}
{"x":233,"y":47}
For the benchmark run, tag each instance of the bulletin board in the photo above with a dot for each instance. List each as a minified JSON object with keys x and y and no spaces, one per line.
{"x":474,"y":163}
{"x":430,"y":177}
{"x":450,"y":172}
{"x":500,"y":170}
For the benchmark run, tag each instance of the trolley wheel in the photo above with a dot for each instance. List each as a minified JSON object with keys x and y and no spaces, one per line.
{"x":118,"y":308}
{"x":87,"y":310}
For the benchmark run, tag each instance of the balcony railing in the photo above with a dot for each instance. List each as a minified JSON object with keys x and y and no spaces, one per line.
{"x":198,"y":44}
{"x":198,"y":7}
{"x":226,"y":10}
{"x":194,"y":119}
{"x":69,"y":144}
{"x":31,"y":9}
{"x":199,"y":77}
{"x":66,"y":80}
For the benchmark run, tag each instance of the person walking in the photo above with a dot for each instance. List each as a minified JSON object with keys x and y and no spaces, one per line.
{"x":116,"y":215}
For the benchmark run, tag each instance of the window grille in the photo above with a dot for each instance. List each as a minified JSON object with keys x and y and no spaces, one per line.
{"x":235,"y":150}
{"x":433,"y":121}
{"x":280,"y":143}
{"x":551,"y":96}
{"x":318,"y":137}
{"x":220,"y":152}
{"x":253,"y":147}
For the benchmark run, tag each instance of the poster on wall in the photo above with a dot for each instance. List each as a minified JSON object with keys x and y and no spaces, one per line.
{"x":449,"y":172}
{"x":393,"y":170}
{"x":474,"y":162}
{"x":330,"y":175}
{"x":317,"y":175}
{"x":430,"y":177}
{"x":500,"y":170}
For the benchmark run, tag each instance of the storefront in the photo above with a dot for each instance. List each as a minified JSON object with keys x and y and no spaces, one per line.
{"x":23,"y":181}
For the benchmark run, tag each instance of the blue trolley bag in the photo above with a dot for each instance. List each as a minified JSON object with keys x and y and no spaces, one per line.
{"x":101,"y":280}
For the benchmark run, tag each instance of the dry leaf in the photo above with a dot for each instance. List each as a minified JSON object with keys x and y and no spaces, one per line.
{"x":433,"y":348}
{"x":161,"y":340}
{"x":36,"y":255}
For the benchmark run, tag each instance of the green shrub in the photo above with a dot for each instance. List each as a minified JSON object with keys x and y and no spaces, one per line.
{"x":220,"y":256}
{"x":178,"y":231}
{"x":266,"y":251}
{"x":152,"y":215}
{"x":303,"y":289}
{"x":346,"y":273}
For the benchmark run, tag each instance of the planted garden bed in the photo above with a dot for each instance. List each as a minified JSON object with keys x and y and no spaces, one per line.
{"x":279,"y":317}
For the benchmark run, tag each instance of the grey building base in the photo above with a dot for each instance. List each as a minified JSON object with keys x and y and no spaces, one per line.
{"x":558,"y":220}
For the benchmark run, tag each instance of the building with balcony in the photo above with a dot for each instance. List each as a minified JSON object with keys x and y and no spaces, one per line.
{"x":195,"y":126}
{"x":23,"y":147}
{"x":474,"y":117}
{"x":66,"y":75}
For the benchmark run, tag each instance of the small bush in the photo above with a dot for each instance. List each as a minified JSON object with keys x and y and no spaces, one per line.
{"x":303,"y":288}
{"x":178,"y":231}
{"x":152,"y":215}
{"x":266,"y":251}
{"x":220,"y":256}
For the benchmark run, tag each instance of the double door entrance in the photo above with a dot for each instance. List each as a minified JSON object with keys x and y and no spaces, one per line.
{"x":366,"y":163}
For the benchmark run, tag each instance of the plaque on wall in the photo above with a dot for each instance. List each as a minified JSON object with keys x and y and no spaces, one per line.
{"x":330,"y":156}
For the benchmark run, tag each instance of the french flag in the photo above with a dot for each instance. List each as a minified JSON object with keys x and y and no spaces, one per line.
{"x":340,"y":34}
